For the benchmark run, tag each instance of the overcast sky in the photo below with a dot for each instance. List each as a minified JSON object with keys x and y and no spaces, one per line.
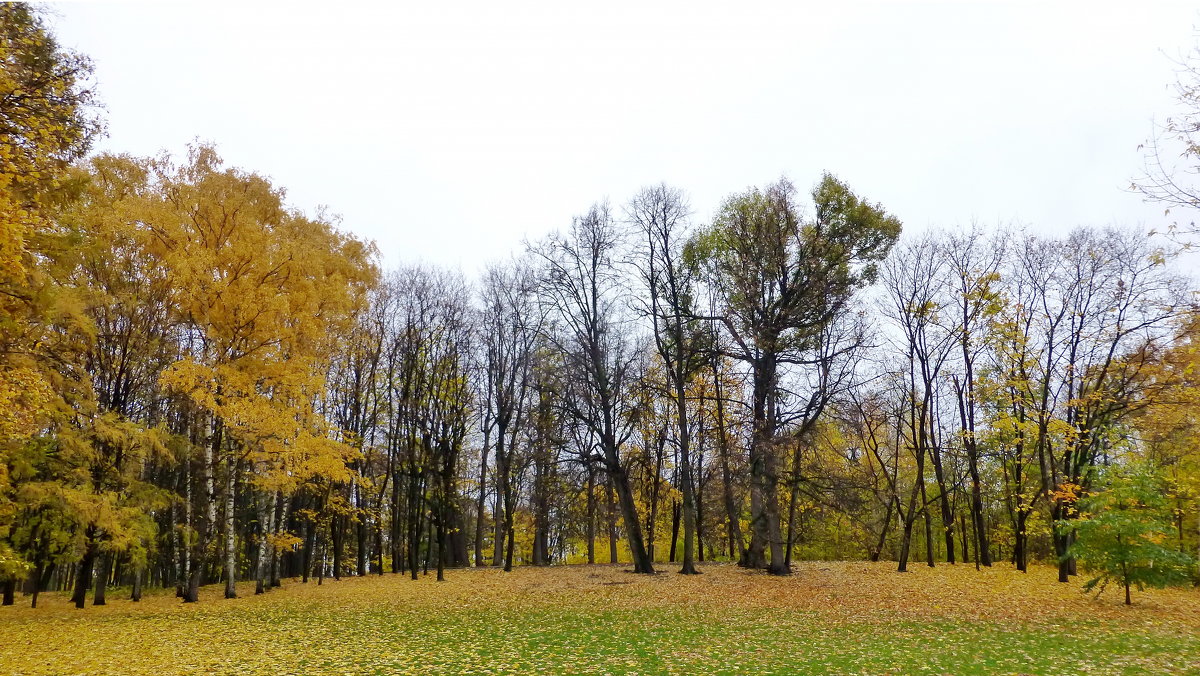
{"x":447,"y":132}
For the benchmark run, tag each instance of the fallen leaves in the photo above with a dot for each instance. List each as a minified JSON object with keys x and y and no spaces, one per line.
{"x":826,"y":618}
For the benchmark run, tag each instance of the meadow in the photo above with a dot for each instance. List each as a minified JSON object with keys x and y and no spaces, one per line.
{"x":844,"y":617}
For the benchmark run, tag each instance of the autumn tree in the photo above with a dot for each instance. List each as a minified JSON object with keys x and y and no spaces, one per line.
{"x":47,"y":120}
{"x":581,"y":285}
{"x":511,"y":322}
{"x":660,"y":214}
{"x":912,"y":279}
{"x":260,"y":289}
{"x":781,"y":279}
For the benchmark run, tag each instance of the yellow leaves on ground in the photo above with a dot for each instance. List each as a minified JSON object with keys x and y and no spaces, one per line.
{"x":827,"y":617}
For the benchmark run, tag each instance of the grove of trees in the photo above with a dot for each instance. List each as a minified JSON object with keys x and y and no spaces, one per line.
{"x":200,"y":384}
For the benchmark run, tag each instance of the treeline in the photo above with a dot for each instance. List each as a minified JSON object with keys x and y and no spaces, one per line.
{"x":202,"y":385}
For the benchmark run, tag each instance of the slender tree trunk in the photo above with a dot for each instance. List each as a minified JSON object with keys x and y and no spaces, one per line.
{"x":883,"y":531}
{"x":910,"y":516}
{"x":732,"y":511}
{"x":337,"y":537}
{"x":230,"y":532}
{"x":362,"y":547}
{"x":1020,"y":541}
{"x":791,"y":529}
{"x":503,"y":500}
{"x":689,"y":487}
{"x":676,"y":517}
{"x":928,"y":528}
{"x":483,"y":458}
{"x":947,"y":510}
{"x":510,"y":529}
{"x":612,"y":519}
{"x":591,"y":513}
{"x":306,"y":556}
{"x":966,"y":550}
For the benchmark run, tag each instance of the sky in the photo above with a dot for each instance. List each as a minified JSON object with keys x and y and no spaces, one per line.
{"x":450,"y":132}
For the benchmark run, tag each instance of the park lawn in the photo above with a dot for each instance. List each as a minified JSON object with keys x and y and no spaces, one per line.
{"x":845,"y":617}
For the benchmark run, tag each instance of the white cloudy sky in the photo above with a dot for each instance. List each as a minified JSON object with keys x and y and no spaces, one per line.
{"x":447,"y":132}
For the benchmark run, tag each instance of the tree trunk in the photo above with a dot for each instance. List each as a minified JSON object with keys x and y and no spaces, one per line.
{"x":689,"y":487}
{"x":591,"y":513}
{"x":676,"y":517}
{"x":633,"y":529}
{"x":947,"y":511}
{"x":337,"y":536}
{"x":887,"y":523}
{"x":306,"y":555}
{"x":102,"y":576}
{"x":362,"y":548}
{"x":483,"y":458}
{"x":1020,"y":541}
{"x":612,"y":519}
{"x":732,"y":512}
{"x":764,"y":497}
{"x":230,"y":533}
{"x":135,"y":594}
{"x":83,"y":580}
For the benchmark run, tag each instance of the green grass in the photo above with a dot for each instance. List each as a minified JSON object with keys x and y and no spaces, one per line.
{"x":603,"y":620}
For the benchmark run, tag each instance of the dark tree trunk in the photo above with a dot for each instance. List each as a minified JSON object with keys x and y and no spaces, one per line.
{"x":1020,"y":541}
{"x":883,"y":531}
{"x":633,"y":529}
{"x":591,"y":513}
{"x":766,"y":533}
{"x":337,"y":534}
{"x":732,"y":512}
{"x":83,"y":580}
{"x":102,"y":576}
{"x":612,"y":520}
{"x":479,"y":519}
{"x":675,"y":519}
{"x":947,"y":510}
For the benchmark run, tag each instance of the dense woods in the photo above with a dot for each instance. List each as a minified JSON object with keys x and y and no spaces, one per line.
{"x":200,"y":384}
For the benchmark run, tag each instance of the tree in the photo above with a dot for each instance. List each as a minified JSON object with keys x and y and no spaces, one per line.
{"x":781,"y":280}
{"x":1171,"y":160}
{"x":46,"y":121}
{"x":660,"y":213}
{"x":912,"y":277}
{"x":511,"y":321}
{"x":262,"y":292}
{"x":1124,"y":530}
{"x":973,"y":265}
{"x":581,"y":286}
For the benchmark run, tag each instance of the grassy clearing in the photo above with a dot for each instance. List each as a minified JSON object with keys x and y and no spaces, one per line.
{"x":828,"y":618}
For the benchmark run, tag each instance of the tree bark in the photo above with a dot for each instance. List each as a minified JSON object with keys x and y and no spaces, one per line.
{"x":83,"y":580}
{"x":230,"y":532}
{"x":98,"y":598}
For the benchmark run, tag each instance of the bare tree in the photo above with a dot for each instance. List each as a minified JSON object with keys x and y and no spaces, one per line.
{"x":510,"y":325}
{"x":582,"y":287}
{"x":660,"y":213}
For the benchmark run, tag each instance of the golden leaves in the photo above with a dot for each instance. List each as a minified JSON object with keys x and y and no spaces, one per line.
{"x":833,"y":617}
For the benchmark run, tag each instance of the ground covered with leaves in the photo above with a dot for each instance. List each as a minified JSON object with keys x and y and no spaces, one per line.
{"x":826,"y":618}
